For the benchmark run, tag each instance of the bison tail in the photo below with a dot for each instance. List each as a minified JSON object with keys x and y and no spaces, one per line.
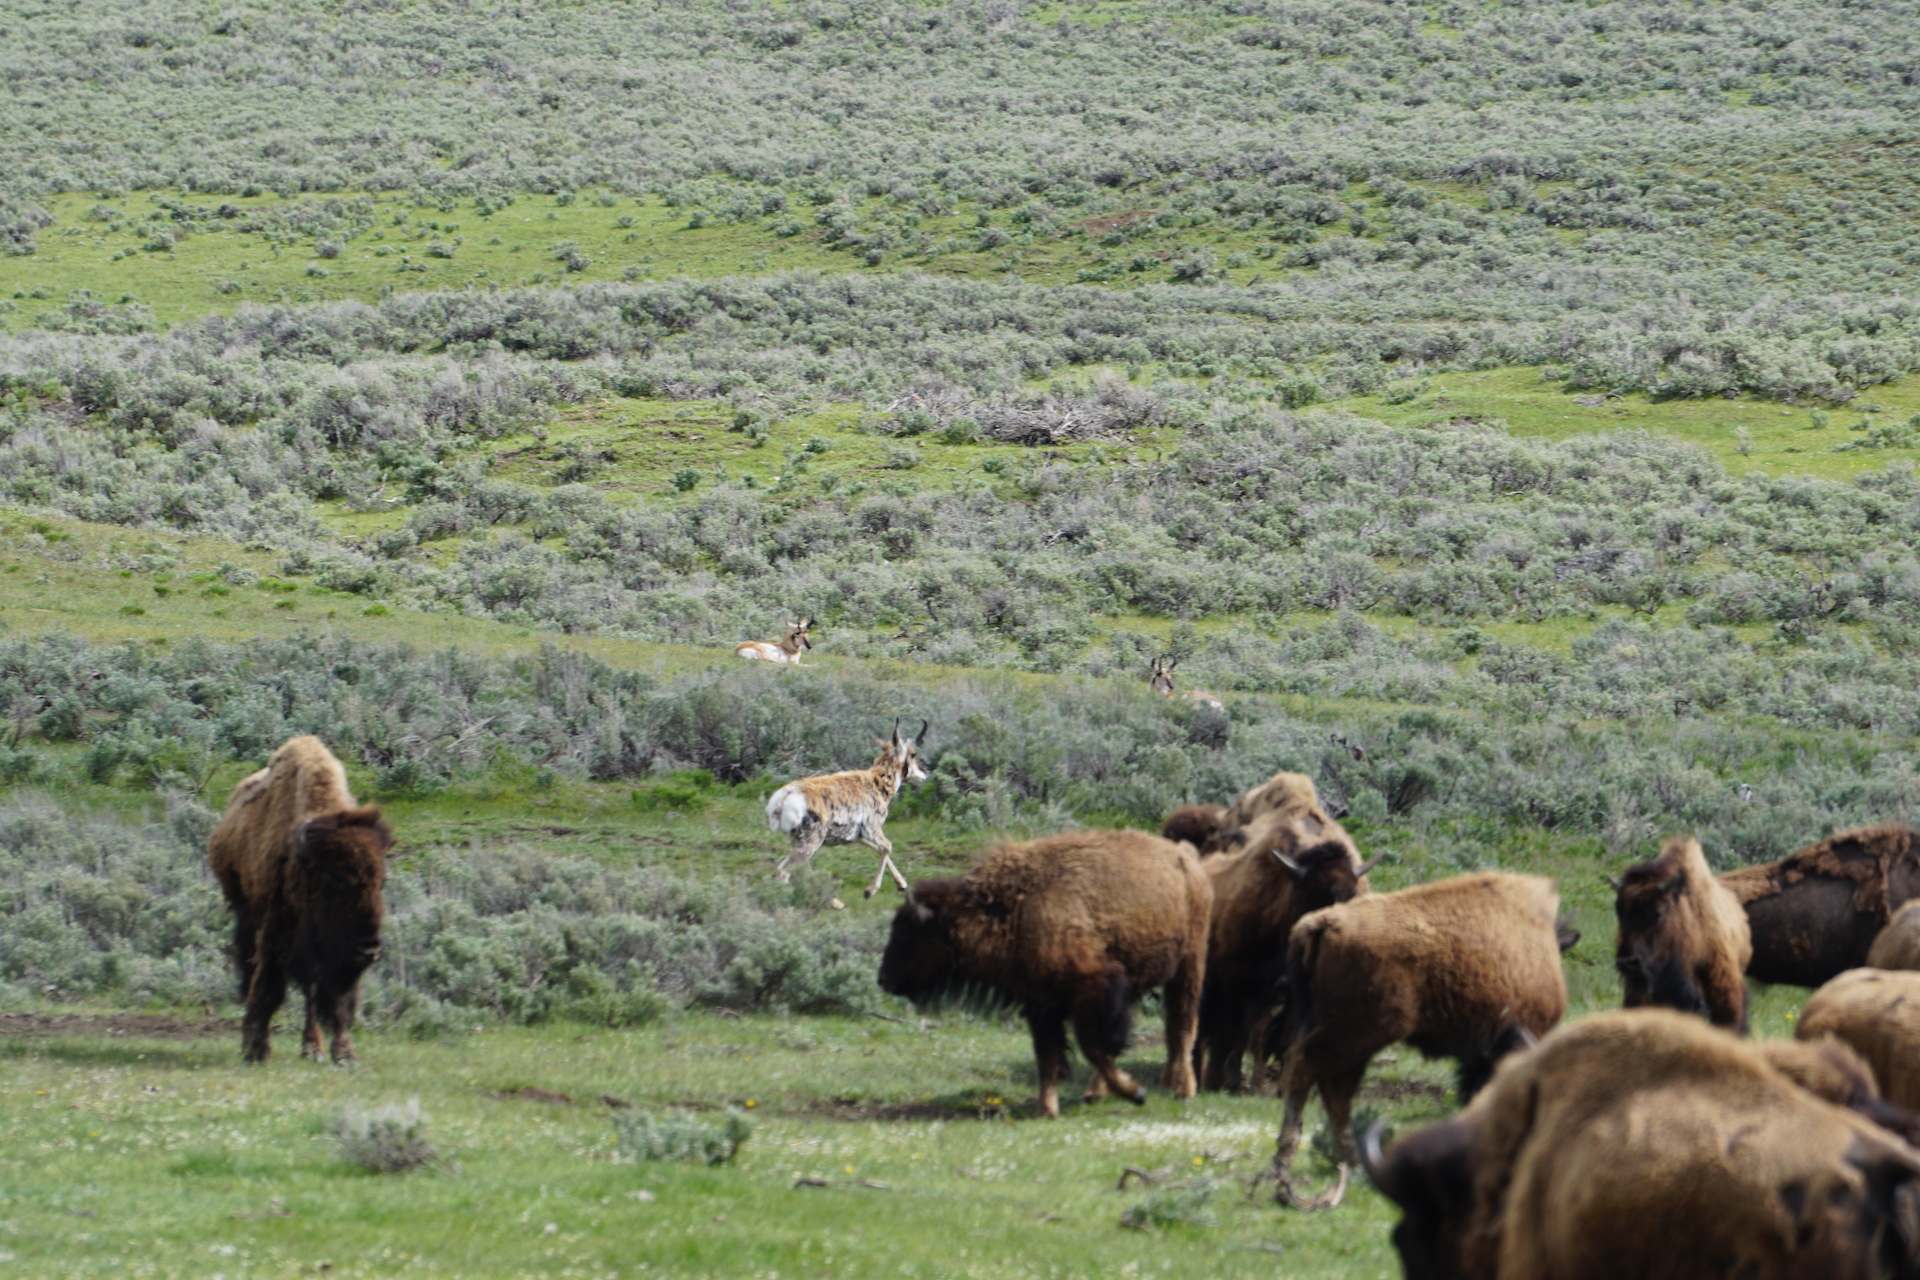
{"x":1303,"y":954}
{"x":787,"y":809}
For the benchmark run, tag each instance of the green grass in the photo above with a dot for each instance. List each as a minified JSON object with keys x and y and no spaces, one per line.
{"x":162,"y":1155}
{"x":215,"y":267}
{"x":1780,"y":439}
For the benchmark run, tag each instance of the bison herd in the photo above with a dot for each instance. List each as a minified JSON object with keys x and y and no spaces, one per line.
{"x":1642,"y":1142}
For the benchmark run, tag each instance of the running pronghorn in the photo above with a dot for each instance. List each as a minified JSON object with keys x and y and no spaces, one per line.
{"x":1162,"y":682}
{"x":842,"y":808}
{"x":787,"y":650}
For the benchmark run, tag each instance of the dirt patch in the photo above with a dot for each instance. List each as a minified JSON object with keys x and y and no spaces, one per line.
{"x":150,"y":1026}
{"x":1116,"y":221}
{"x":1403,"y":1090}
{"x":531,"y":1093}
{"x":854,"y":1111}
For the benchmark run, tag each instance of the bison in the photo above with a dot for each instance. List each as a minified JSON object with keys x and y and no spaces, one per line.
{"x":1196,"y":824}
{"x":1072,"y":927}
{"x":1815,"y":912}
{"x":302,"y":867}
{"x":1288,"y":867}
{"x":1466,"y":968}
{"x":1876,"y":1013}
{"x":1683,"y":939}
{"x":1647,"y":1143}
{"x":1898,"y":945}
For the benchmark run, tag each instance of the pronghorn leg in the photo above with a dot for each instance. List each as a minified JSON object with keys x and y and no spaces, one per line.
{"x":804,"y":847}
{"x":876,"y":838}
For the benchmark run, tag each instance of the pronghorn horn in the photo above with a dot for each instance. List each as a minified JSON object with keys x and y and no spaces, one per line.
{"x":896,"y":728}
{"x":923,"y":732}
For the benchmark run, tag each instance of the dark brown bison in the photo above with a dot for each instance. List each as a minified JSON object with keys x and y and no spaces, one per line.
{"x":1197,"y":824}
{"x":1466,"y":968}
{"x":1814,"y":913}
{"x":1647,"y":1143}
{"x":302,"y":867}
{"x":1072,"y":928}
{"x":1683,"y":939}
{"x":1287,"y":867}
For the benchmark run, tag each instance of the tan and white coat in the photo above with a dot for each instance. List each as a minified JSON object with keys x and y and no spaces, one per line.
{"x":785,"y":651}
{"x":847,"y":808}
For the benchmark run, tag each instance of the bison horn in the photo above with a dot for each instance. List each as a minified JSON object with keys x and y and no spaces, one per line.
{"x":1299,"y":872}
{"x":1372,"y":1160}
{"x":1368,"y":865}
{"x":922,"y":913}
{"x":1614,"y":881}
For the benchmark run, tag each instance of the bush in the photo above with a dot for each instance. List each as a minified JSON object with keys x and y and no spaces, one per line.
{"x":390,"y":1139}
{"x":642,"y":1137}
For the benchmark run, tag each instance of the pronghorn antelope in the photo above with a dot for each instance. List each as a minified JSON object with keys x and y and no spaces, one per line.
{"x":1162,"y":682}
{"x":787,"y":650}
{"x":841,"y":808}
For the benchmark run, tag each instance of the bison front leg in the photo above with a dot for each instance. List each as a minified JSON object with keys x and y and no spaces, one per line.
{"x":1050,"y":1054}
{"x":341,"y":1009}
{"x":1102,"y":1025}
{"x":264,"y":996}
{"x":310,"y":1035}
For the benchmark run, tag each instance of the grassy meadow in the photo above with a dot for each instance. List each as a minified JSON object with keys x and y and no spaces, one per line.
{"x":1526,"y":397}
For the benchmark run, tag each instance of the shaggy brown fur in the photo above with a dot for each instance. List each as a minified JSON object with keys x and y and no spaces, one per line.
{"x":1683,"y":939}
{"x":1073,"y":927}
{"x":1898,"y":945}
{"x":1815,"y":912}
{"x":302,"y":868}
{"x":1287,"y":867}
{"x":785,"y":650}
{"x":1465,"y":968}
{"x":1876,"y":1013}
{"x":1197,"y":824}
{"x":1291,"y":794}
{"x":1648,"y":1144}
{"x":841,"y":808}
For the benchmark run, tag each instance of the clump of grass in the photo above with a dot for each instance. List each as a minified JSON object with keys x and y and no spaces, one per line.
{"x":390,"y":1139}
{"x":644,"y":1137}
{"x":1179,"y":1204}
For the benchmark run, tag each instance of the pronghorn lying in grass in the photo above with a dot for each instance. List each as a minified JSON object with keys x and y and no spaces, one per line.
{"x":787,"y":650}
{"x":1162,"y":682}
{"x":844,"y":807}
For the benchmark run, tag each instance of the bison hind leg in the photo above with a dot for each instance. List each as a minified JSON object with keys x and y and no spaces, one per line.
{"x":1103,"y":1024}
{"x":245,"y":937}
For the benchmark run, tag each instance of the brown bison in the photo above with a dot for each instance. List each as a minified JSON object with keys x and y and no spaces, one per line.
{"x":1815,"y":912}
{"x":1073,"y":927}
{"x":1647,"y":1143}
{"x":1876,"y":1013}
{"x":1288,"y":867}
{"x":1196,"y":824}
{"x":1898,"y":945}
{"x":1683,"y":939}
{"x":1466,"y":968}
{"x":302,"y":867}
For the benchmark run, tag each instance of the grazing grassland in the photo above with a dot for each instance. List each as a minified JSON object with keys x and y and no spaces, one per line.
{"x":1510,"y":411}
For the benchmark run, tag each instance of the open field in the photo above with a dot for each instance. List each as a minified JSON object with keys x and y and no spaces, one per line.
{"x":1511,"y":412}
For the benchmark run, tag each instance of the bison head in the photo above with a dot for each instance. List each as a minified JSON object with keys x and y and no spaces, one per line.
{"x":921,"y":961}
{"x":340,"y":867}
{"x":1324,"y":875}
{"x":1429,"y":1175}
{"x":1651,"y":951}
